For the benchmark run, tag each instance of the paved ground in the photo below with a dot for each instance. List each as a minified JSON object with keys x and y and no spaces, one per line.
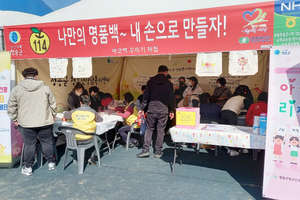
{"x":123,"y":176}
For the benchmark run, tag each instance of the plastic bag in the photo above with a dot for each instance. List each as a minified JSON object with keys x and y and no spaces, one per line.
{"x":142,"y":123}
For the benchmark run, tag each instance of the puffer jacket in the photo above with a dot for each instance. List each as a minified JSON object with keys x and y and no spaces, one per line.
{"x":32,"y":104}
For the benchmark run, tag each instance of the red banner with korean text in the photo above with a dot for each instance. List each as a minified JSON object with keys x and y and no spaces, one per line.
{"x":228,"y":28}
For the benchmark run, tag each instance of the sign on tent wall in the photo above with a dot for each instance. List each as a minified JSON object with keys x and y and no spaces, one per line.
{"x":106,"y":75}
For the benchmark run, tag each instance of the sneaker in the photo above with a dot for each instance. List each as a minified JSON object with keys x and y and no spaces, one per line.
{"x":26,"y":171}
{"x":158,"y":154}
{"x":51,"y":166}
{"x":228,"y":151}
{"x":183,"y":144}
{"x":234,"y":153}
{"x":143,"y":154}
{"x":245,"y":151}
{"x":92,"y":160}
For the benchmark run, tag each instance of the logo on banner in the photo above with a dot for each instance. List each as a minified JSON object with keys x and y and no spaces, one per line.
{"x":254,"y":21}
{"x":254,"y":17}
{"x":244,"y":40}
{"x":39,"y":41}
{"x":14,"y":37}
{"x":285,"y":52}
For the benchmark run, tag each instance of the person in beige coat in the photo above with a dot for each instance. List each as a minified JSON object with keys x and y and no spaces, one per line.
{"x":31,"y":106}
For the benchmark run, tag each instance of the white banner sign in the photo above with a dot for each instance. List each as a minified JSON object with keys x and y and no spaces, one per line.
{"x":281,"y":171}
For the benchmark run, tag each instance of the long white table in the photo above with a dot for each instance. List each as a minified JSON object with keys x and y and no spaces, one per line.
{"x":219,"y":135}
{"x":109,"y":122}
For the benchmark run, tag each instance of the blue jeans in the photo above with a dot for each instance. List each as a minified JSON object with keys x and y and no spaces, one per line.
{"x":30,"y":136}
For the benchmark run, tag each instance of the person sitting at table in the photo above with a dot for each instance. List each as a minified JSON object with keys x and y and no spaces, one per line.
{"x":140,"y":98}
{"x":257,"y":108}
{"x":230,"y":111}
{"x":222,"y":92}
{"x":96,"y":97}
{"x":74,"y":96}
{"x":130,"y":113}
{"x":204,"y":97}
{"x":179,"y":90}
{"x":86,"y":124}
{"x":210,"y":111}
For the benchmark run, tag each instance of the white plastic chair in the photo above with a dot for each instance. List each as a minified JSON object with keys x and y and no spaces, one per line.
{"x":72,"y":144}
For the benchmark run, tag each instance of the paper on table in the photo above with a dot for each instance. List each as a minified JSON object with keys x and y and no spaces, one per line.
{"x":211,"y":127}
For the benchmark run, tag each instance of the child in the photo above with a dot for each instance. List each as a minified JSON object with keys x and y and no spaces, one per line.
{"x":279,"y":141}
{"x":294,"y":144}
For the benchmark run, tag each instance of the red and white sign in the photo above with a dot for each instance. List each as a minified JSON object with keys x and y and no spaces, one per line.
{"x":217,"y":29}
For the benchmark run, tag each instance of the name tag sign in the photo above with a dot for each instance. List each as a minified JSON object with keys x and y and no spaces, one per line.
{"x":281,"y":130}
{"x":187,"y":117}
{"x":295,"y":130}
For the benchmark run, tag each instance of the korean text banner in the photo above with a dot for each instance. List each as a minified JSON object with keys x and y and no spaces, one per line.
{"x":5,"y":125}
{"x":283,"y":132}
{"x":228,"y":28}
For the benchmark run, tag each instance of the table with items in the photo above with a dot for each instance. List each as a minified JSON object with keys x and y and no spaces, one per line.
{"x":219,"y":135}
{"x":109,"y":122}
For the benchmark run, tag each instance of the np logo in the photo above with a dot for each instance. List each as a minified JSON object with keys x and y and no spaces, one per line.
{"x":244,"y":40}
{"x":39,"y":41}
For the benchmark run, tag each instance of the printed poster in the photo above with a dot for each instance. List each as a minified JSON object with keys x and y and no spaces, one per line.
{"x":5,"y":125}
{"x":282,"y":163}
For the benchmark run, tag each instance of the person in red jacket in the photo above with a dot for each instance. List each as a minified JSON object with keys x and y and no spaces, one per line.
{"x":257,"y":108}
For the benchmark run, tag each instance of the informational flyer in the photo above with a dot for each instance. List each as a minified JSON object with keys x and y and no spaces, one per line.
{"x":282,"y":165}
{"x":5,"y":125}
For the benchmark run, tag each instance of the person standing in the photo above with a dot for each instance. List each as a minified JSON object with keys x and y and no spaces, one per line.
{"x":179,"y":90}
{"x":159,"y":96}
{"x":32,"y":107}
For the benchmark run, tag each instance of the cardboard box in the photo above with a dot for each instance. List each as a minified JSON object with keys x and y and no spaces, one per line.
{"x":263,"y":124}
{"x":187,"y":117}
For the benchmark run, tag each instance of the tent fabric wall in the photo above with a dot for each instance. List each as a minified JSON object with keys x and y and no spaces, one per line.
{"x":120,"y":75}
{"x":107,"y":71}
{"x":138,"y":70}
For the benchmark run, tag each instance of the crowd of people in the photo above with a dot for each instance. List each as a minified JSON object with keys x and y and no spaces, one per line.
{"x":157,"y":103}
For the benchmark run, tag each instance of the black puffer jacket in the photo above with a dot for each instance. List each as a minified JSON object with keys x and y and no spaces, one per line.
{"x":159,"y":95}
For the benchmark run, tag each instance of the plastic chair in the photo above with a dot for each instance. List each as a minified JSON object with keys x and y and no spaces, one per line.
{"x":39,"y":153}
{"x":70,"y":133}
{"x":132,"y":131}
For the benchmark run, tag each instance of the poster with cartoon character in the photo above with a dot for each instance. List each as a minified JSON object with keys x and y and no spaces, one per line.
{"x":282,"y":139}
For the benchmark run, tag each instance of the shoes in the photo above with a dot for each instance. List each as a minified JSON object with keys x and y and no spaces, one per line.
{"x":228,"y":151}
{"x":26,"y":171}
{"x":158,"y":154}
{"x":51,"y":166}
{"x":234,"y":153}
{"x":92,"y":160}
{"x":134,"y":144}
{"x":245,"y":151}
{"x":143,"y":154}
{"x":183,"y":144}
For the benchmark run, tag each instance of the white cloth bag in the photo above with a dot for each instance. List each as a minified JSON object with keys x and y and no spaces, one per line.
{"x":209,"y":64}
{"x":82,"y":67}
{"x":58,"y":67}
{"x":243,"y":63}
